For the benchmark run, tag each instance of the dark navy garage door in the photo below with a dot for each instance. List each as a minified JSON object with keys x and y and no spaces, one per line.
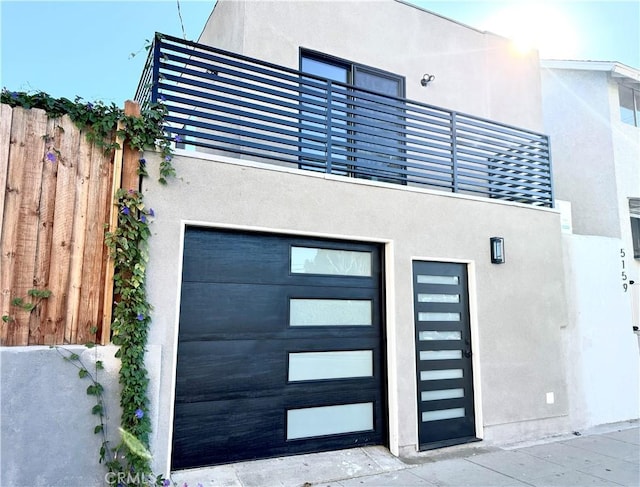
{"x":280,"y":347}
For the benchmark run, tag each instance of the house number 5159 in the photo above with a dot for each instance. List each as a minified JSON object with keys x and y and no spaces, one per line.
{"x":625,"y":284}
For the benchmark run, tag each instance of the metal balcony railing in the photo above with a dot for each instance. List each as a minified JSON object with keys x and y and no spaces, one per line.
{"x":226,"y":103}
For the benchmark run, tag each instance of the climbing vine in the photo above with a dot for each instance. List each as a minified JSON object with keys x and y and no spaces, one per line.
{"x":102,"y":122}
{"x":129,"y":462}
{"x":128,"y":246}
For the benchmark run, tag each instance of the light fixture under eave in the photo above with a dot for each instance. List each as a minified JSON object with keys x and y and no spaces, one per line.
{"x":426,"y":79}
{"x":497,"y":250}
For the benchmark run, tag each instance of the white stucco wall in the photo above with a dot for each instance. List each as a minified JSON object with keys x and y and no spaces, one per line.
{"x":596,"y":161}
{"x":601,"y":350}
{"x":626,"y":154}
{"x":577,"y":114}
{"x":518,"y":308}
{"x":477,"y":73}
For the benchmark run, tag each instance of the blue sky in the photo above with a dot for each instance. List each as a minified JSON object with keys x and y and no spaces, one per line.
{"x":86,"y":48}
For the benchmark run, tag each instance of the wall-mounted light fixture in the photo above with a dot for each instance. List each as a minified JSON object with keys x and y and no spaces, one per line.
{"x":426,"y":79}
{"x":497,"y":250}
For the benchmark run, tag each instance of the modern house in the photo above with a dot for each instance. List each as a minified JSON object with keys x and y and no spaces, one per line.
{"x":363,"y":248}
{"x":386,"y":228}
{"x":592,"y":110}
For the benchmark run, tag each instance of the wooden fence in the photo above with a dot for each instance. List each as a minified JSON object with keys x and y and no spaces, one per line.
{"x":56,"y":203}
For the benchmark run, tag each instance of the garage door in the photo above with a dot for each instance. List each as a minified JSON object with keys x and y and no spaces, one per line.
{"x":280,"y":347}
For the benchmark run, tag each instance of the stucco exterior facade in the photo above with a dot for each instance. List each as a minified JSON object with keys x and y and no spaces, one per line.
{"x":475,"y":72}
{"x":517,"y":310}
{"x":596,"y":160}
{"x":513,"y":376}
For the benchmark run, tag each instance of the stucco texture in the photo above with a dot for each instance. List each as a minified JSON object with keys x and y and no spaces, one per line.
{"x":518,"y":308}
{"x":46,"y":433}
{"x":478,"y":73}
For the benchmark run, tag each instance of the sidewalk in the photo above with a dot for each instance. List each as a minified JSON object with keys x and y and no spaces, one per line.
{"x":604,"y":456}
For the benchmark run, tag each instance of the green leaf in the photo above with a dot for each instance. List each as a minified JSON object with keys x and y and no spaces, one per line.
{"x":94,"y":389}
{"x":99,"y":365}
{"x":82,"y":373}
{"x":134,"y":445}
{"x":40,"y":293}
{"x":74,"y":356}
{"x":89,"y":344}
{"x":97,"y":409}
{"x":96,"y":430}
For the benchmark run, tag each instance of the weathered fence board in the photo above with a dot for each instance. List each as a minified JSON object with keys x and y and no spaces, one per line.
{"x":94,"y":255}
{"x":45,"y":228}
{"x":56,"y":190}
{"x":69,"y":145}
{"x":5,"y":135}
{"x":21,"y":213}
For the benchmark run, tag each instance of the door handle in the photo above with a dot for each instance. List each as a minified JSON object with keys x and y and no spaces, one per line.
{"x":467,"y":353}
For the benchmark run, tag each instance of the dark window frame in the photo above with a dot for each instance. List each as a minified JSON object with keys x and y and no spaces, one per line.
{"x":635,"y":102}
{"x":351,"y":69}
{"x":635,"y":235}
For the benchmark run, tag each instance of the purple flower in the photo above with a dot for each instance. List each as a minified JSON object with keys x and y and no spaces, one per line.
{"x":51,"y":157}
{"x":143,"y":219}
{"x":125,"y":210}
{"x":178,"y":139}
{"x":14,"y":95}
{"x":167,"y":158}
{"x":166,"y":483}
{"x":140,"y":317}
{"x":162,"y":98}
{"x":89,"y":105}
{"x":151,"y":212}
{"x":139,"y":413}
{"x":142,"y":161}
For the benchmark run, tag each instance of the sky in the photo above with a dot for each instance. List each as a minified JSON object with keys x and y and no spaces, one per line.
{"x":96,"y":49}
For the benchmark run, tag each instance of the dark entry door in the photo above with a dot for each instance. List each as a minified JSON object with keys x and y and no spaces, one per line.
{"x":279,"y":348}
{"x":443,"y":354}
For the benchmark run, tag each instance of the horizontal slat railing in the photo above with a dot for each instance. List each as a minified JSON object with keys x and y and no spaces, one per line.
{"x":222,"y":102}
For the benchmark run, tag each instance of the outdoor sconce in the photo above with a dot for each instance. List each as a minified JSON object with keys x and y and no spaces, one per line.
{"x":426,"y":79}
{"x":497,"y":250}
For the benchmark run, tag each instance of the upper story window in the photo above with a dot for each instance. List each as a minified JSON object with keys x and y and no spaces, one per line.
{"x":367,"y":131}
{"x":629,"y":105}
{"x":634,"y":211}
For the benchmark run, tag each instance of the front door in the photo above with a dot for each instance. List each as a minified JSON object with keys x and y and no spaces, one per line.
{"x":443,"y":354}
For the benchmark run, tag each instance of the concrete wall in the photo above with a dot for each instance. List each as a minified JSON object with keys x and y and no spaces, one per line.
{"x":46,"y":431}
{"x":476,"y":73}
{"x":518,"y":309}
{"x":601,"y":350}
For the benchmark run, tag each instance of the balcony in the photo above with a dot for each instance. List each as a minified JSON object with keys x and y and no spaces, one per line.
{"x":225,"y":103}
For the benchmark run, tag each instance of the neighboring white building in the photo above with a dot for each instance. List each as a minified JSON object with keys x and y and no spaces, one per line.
{"x":592,"y":112}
